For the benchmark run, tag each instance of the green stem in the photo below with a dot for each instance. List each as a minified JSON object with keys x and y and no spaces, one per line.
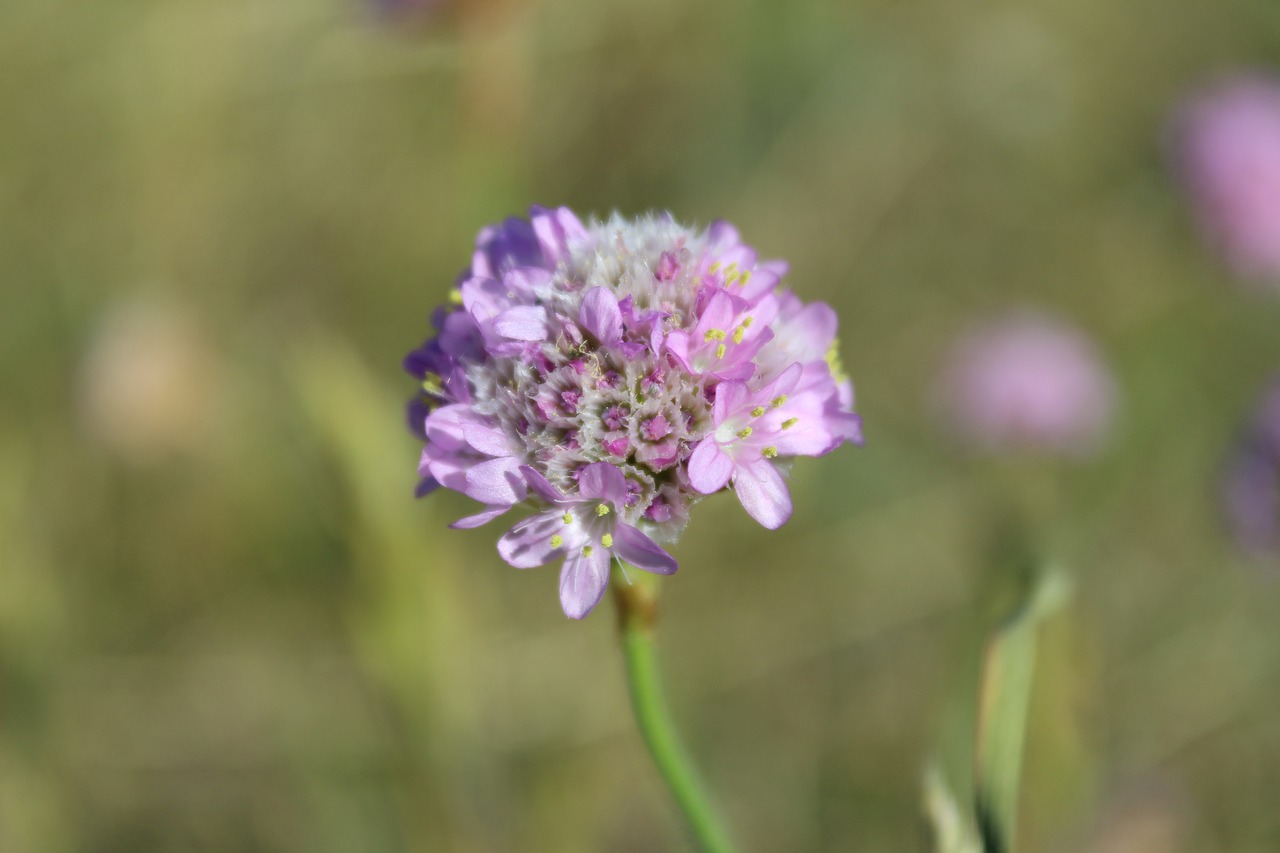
{"x":637,"y":612}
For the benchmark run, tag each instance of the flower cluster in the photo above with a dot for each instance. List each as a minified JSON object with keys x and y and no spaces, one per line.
{"x":1027,"y":381}
{"x":1227,"y":149}
{"x":613,"y":373}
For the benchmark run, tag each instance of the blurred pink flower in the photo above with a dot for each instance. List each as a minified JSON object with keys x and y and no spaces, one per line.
{"x":1226,"y":141}
{"x":1027,"y":381}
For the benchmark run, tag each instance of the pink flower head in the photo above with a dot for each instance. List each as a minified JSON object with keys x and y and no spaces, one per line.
{"x":1027,"y":381}
{"x":610,"y":375}
{"x":1227,"y":149}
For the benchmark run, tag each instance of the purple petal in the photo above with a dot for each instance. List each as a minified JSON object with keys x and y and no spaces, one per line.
{"x":444,"y":427}
{"x":522,"y":323}
{"x":488,"y":515}
{"x":602,"y":481}
{"x":528,"y":544}
{"x":541,"y":486}
{"x":495,"y":481}
{"x":731,"y":398}
{"x":600,"y":316}
{"x":677,"y":344}
{"x":526,"y":281}
{"x":425,"y":486}
{"x":583,"y":581}
{"x":486,"y":438}
{"x":632,"y":546}
{"x":763,"y":493}
{"x":709,"y":467}
{"x":556,"y":229}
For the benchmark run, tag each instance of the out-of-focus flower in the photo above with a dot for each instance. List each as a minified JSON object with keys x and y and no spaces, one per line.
{"x":149,"y":384}
{"x":1252,"y":483}
{"x":1226,"y":142}
{"x":613,"y":373}
{"x":1027,"y":381}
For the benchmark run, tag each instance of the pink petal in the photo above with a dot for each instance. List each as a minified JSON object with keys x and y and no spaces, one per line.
{"x":495,"y":481}
{"x":600,"y":315}
{"x":480,"y":518}
{"x":709,"y":467}
{"x":763,"y":493}
{"x":632,"y":546}
{"x":528,"y":544}
{"x":541,"y":486}
{"x":583,"y":581}
{"x":522,"y":323}
{"x":602,"y":481}
{"x":487,"y":439}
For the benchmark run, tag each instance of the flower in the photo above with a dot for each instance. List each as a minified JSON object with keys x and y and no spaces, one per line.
{"x":1226,"y":141}
{"x":1251,"y":493}
{"x":1027,"y":381}
{"x":609,"y":375}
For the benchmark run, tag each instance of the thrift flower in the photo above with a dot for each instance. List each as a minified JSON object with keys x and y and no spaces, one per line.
{"x":1227,"y":149}
{"x":608,"y":375}
{"x":1027,"y":382}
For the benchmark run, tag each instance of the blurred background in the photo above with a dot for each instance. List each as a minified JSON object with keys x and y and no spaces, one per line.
{"x":225,"y":624}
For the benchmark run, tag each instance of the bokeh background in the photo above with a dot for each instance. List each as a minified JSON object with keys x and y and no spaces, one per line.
{"x":226,"y":625}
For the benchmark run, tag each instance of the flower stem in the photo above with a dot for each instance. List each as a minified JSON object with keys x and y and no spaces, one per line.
{"x":637,"y":612}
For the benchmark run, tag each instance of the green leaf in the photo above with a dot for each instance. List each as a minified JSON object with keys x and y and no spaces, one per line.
{"x":1004,"y":700}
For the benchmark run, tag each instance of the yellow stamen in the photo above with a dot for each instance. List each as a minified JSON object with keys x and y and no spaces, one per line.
{"x":431,"y":384}
{"x":714,"y":268}
{"x":746,"y":277}
{"x":586,"y":550}
{"x":769,"y":452}
{"x":745,"y":432}
{"x":739,"y":333}
{"x":602,"y":510}
{"x":567,"y":518}
{"x":714,"y":335}
{"x":747,"y":321}
{"x":455,"y":296}
{"x":757,"y":411}
{"x":779,"y":400}
{"x":790,"y":422}
{"x":833,"y":362}
{"x":721,"y":350}
{"x":607,"y":540}
{"x":557,"y":541}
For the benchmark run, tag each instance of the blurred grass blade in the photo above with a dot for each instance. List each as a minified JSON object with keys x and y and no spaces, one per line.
{"x":1008,"y":671}
{"x":951,"y":830}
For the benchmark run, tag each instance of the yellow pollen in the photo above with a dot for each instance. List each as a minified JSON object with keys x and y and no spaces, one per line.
{"x":747,"y":321}
{"x":557,"y":541}
{"x":778,"y":401}
{"x":431,"y":384}
{"x":769,"y":452}
{"x":568,"y":519}
{"x":714,"y":268}
{"x":607,"y":540}
{"x":714,"y":335}
{"x":602,"y":510}
{"x":788,"y":424}
{"x":455,"y":296}
{"x":739,"y":333}
{"x":833,"y":362}
{"x":746,"y":277}
{"x":732,"y":279}
{"x":757,"y":411}
{"x":745,"y":432}
{"x":721,"y":350}
{"x":587,"y":550}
